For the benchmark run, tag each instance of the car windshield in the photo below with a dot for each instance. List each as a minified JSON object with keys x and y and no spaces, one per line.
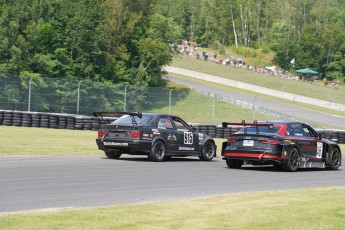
{"x":262,"y":129}
{"x":126,"y":119}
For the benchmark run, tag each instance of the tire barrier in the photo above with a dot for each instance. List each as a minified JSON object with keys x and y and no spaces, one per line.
{"x":77,"y":122}
{"x":50,"y":120}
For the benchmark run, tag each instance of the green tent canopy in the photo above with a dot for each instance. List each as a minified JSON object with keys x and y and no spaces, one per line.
{"x":307,"y":71}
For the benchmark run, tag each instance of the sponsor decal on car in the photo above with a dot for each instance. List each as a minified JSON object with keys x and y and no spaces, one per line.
{"x":147,"y":136}
{"x":186,"y":148}
{"x":289,"y":142}
{"x":110,"y":143}
{"x":155,"y":131}
{"x":172,"y":139}
{"x":201,"y":139}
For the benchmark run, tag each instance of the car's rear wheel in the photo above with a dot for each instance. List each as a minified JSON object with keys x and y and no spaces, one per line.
{"x":157,"y":151}
{"x":334,"y":159}
{"x":234,"y":163}
{"x":112,"y":154}
{"x":292,"y":163}
{"x":208,"y":151}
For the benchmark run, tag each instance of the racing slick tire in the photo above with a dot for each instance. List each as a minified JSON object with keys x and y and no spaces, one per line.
{"x":236,"y":164}
{"x":292,"y":163}
{"x":157,"y":151}
{"x":334,"y":159}
{"x":112,"y":154}
{"x":208,"y":151}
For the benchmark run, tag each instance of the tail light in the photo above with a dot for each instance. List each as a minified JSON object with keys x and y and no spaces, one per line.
{"x":101,"y":133}
{"x":269,"y":141}
{"x":232,"y":140}
{"x":136,"y":134}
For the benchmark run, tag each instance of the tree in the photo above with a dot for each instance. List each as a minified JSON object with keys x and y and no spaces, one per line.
{"x":152,"y":56}
{"x":282,"y":44}
{"x":164,"y":29}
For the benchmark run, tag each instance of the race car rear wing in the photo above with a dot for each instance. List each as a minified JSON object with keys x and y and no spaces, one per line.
{"x":245,"y":124}
{"x":132,"y":114}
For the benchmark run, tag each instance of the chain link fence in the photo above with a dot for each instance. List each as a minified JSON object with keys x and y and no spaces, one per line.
{"x":56,"y":103}
{"x":84,"y":97}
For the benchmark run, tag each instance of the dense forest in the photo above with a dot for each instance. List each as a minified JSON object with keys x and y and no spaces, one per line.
{"x":128,"y":41}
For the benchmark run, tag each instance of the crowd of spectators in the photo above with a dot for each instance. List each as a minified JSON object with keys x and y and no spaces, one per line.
{"x":190,"y":49}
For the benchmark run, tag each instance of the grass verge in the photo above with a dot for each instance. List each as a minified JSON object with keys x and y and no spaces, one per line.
{"x":259,"y":96}
{"x":43,"y":141}
{"x":291,"y":209}
{"x":304,"y":88}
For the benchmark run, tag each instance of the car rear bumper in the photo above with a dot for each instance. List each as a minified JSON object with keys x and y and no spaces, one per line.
{"x":128,"y":146}
{"x":257,"y":156}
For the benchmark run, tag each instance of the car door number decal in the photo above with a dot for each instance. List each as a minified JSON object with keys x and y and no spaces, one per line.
{"x":319,"y":150}
{"x":188,"y":138}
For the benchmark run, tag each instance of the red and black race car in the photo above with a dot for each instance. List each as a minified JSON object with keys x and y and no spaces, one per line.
{"x":159,"y":136}
{"x":291,"y":145}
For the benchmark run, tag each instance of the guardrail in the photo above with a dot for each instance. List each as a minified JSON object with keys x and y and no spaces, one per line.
{"x":247,"y":105}
{"x":77,"y":122}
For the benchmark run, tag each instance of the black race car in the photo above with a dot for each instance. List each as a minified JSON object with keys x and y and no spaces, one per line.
{"x":291,"y":145}
{"x":158,"y":136}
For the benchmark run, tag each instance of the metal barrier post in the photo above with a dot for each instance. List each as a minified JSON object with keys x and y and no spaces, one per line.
{"x":214,"y":97}
{"x":29,"y":99}
{"x":125,"y":99}
{"x":78,"y":97}
{"x":170,"y":100}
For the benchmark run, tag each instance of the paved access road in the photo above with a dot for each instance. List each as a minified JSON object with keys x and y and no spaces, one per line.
{"x":45,"y":182}
{"x":284,"y":108}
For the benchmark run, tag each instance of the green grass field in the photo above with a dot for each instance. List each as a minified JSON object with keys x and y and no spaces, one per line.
{"x":42,"y":141}
{"x":316,"y":90}
{"x":317,"y":208}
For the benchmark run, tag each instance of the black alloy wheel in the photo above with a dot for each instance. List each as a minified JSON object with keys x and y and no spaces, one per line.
{"x":292,"y":163}
{"x":334,"y":159}
{"x":208,"y":151}
{"x":157,"y":151}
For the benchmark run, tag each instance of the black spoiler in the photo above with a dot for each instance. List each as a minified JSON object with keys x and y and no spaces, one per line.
{"x":245,"y":124}
{"x":132,"y":114}
{"x":100,"y":114}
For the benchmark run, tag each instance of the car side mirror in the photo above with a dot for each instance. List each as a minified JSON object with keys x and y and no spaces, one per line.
{"x":193,"y":129}
{"x":320,"y":136}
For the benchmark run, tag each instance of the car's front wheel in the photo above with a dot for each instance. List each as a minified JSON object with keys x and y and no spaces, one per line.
{"x":234,"y":163}
{"x":334,"y":159}
{"x":208,"y":151}
{"x":292,"y":163}
{"x":112,"y":154}
{"x":157,"y":151}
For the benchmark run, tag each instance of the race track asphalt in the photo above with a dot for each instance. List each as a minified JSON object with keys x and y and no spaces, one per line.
{"x":53,"y":182}
{"x":50,"y":182}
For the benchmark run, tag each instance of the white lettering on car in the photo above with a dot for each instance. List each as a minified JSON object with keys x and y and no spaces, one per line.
{"x":110,"y":143}
{"x":186,"y":148}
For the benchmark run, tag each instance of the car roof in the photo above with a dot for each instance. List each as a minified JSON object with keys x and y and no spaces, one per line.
{"x":160,"y":114}
{"x":282,"y":122}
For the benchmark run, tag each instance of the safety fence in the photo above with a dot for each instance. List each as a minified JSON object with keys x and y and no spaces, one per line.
{"x":78,"y":122}
{"x":83,"y":97}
